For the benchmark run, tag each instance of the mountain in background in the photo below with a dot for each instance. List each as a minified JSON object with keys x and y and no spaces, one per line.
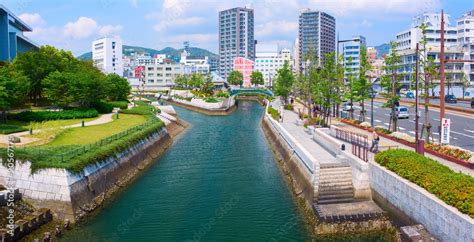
{"x":382,"y":49}
{"x":173,"y":53}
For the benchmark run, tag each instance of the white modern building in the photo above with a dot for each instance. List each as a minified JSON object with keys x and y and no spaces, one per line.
{"x":161,"y":75}
{"x":269,"y":60}
{"x":465,"y":28}
{"x":195,"y":64}
{"x":351,"y":50}
{"x":107,"y":55}
{"x":149,"y":60}
{"x":407,"y":39}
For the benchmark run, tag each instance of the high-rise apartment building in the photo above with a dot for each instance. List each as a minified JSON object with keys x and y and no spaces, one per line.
{"x":317,"y":31}
{"x":236,"y":37}
{"x":107,"y":55}
{"x":465,"y":27}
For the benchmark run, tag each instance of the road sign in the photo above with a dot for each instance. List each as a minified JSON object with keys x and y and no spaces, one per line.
{"x":445,"y":129}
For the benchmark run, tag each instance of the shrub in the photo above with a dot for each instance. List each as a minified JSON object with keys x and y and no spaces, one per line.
{"x":103,"y":107}
{"x":182,"y":98}
{"x":211,"y":100}
{"x":223,"y":94}
{"x":403,"y":136}
{"x":455,"y":189}
{"x":10,"y":128}
{"x":274,"y":113}
{"x":365,"y":124}
{"x":288,"y":107}
{"x":450,"y":151}
{"x":29,"y":116}
{"x":119,"y":104}
{"x":141,"y":108}
{"x":382,"y":130}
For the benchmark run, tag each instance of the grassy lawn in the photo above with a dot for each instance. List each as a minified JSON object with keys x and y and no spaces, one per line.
{"x":91,"y":134}
{"x":13,"y":126}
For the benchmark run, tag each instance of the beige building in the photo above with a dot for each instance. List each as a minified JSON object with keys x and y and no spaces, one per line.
{"x":161,"y":74}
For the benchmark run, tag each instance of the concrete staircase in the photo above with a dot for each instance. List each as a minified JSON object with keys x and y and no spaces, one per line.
{"x":335,"y":184}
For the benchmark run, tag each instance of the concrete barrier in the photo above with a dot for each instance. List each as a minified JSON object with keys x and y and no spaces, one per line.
{"x":441,"y":220}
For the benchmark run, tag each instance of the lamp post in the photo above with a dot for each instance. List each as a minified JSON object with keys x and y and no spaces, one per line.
{"x":372,"y":94}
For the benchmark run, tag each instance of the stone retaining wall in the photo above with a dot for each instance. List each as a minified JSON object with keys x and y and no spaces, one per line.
{"x":441,"y":220}
{"x":300,"y":178}
{"x":71,"y":196}
{"x":214,"y":112}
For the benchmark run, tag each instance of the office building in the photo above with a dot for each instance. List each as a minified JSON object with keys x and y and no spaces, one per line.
{"x":269,"y":60}
{"x":107,"y":55}
{"x":236,"y":37}
{"x":161,"y":75}
{"x":195,"y":64}
{"x":317,"y":31}
{"x":351,"y":50}
{"x":12,"y":39}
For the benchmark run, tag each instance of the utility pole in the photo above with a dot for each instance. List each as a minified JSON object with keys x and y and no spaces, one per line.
{"x":419,"y":143}
{"x":441,"y":76}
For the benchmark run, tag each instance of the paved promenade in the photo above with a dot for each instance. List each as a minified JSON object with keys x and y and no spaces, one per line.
{"x":306,"y":140}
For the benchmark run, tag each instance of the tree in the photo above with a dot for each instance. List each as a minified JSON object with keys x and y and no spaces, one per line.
{"x":117,"y":87}
{"x":208,"y":86}
{"x":284,"y":81}
{"x":350,"y":91}
{"x":57,"y":89}
{"x":427,"y":75}
{"x":182,"y":81}
{"x":257,"y":78}
{"x":38,"y":64}
{"x":196,"y":80}
{"x":363,"y":84}
{"x":235,"y":77}
{"x":465,"y":83}
{"x":390,"y":83}
{"x":14,"y":87}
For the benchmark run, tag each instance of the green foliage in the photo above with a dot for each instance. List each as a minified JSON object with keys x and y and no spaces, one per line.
{"x":211,"y":100}
{"x":39,"y":116}
{"x":176,"y":96}
{"x":119,"y":104}
{"x":117,"y":87}
{"x":103,"y":107}
{"x":288,"y":107}
{"x":141,"y":108}
{"x":284,"y":81}
{"x":182,"y":81}
{"x":274,"y":113}
{"x":456,"y":189}
{"x":207,"y":88}
{"x":13,"y":88}
{"x":11,"y":128}
{"x":196,"y":80}
{"x":235,"y":77}
{"x":257,"y":78}
{"x":390,"y":82}
{"x":223,"y":94}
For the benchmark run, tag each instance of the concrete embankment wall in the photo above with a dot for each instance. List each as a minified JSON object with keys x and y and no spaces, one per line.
{"x":301,"y":178}
{"x":443,"y":221}
{"x":71,"y":196}
{"x":215,"y":109}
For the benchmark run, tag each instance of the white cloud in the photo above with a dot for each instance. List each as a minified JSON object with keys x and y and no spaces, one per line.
{"x":353,"y":7}
{"x":84,"y":27}
{"x":109,"y":30}
{"x":32,"y":19}
{"x":164,"y":24}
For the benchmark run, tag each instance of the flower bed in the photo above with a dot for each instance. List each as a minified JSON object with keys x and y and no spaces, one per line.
{"x":455,"y":189}
{"x":450,"y":151}
{"x":455,"y":156}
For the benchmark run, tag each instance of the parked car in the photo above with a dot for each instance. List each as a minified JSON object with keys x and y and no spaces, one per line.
{"x":450,"y":99}
{"x":472,"y":102}
{"x":410,"y":95}
{"x":402,"y":112}
{"x":346,"y":107}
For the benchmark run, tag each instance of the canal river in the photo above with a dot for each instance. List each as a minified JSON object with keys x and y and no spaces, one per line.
{"x":219,"y":181}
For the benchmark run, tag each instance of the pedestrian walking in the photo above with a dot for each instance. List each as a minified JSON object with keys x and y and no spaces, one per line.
{"x":375,"y":142}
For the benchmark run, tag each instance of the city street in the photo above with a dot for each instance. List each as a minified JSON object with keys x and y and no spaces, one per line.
{"x":462,"y":127}
{"x":461,"y":104}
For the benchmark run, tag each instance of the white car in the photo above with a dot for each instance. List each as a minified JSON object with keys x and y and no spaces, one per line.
{"x":346,"y":107}
{"x":402,"y":112}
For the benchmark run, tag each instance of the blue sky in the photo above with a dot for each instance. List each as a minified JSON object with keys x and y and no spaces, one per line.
{"x":73,"y":25}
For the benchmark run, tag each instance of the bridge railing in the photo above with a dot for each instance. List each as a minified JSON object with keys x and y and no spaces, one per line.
{"x":236,"y":91}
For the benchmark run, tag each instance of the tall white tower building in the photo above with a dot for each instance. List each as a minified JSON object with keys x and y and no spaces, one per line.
{"x":107,"y":55}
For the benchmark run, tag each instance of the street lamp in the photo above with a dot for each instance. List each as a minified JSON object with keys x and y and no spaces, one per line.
{"x":372,"y":94}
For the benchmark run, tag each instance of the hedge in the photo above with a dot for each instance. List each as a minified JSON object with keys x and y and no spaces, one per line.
{"x":29,"y":116}
{"x":9,"y":129}
{"x":119,"y":104}
{"x":211,"y":100}
{"x":455,"y":189}
{"x":141,"y":108}
{"x":103,"y":107}
{"x":274,"y":113}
